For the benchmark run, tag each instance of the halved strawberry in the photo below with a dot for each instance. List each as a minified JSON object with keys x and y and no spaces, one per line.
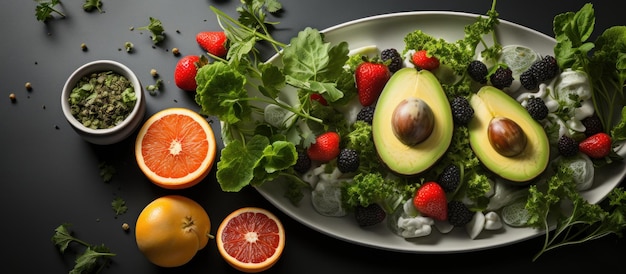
{"x":421,"y":59}
{"x":325,"y":148}
{"x":430,"y":201}
{"x":370,"y":78}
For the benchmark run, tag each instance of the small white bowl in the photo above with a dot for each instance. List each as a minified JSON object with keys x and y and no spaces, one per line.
{"x":123,"y":129}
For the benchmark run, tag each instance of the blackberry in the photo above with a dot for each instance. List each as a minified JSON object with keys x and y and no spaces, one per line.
{"x":502,"y":77}
{"x":544,"y":69}
{"x":459,"y":214}
{"x":462,"y":111}
{"x":567,"y":146}
{"x":348,"y":160}
{"x":303,"y":164}
{"x":537,"y":108}
{"x":478,"y":71}
{"x":450,"y":178}
{"x":592,"y":125}
{"x":528,"y":80}
{"x":369,"y":215}
{"x":366,"y":114}
{"x":394,"y":57}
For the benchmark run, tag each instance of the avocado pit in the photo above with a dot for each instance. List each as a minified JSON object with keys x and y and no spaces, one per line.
{"x":506,"y":136}
{"x":412,"y":121}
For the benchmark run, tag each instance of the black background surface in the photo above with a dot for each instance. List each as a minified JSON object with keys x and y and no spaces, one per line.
{"x":50,"y":176}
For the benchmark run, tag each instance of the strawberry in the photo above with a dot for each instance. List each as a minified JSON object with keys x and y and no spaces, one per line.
{"x":319,"y":98}
{"x":185,"y":71}
{"x":596,"y":146}
{"x":430,"y":200}
{"x":421,"y":60}
{"x":370,"y":78}
{"x":325,"y":148}
{"x":213,"y":42}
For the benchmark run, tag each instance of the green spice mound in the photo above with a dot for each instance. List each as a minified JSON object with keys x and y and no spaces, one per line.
{"x":102,"y":99}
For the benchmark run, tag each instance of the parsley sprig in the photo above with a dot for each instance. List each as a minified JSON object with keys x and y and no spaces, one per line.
{"x":585,"y":221}
{"x":92,"y":260}
{"x":45,"y":9}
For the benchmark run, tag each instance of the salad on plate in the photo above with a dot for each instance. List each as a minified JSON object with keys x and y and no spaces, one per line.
{"x":470,"y":134}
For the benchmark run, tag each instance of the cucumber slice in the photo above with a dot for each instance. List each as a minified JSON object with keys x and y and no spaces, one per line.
{"x":515,"y":214}
{"x":278,"y":117}
{"x":518,"y":58}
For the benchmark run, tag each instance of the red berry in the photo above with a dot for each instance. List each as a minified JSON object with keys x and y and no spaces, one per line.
{"x":214,"y":42}
{"x":596,"y":146}
{"x":370,"y":80}
{"x":325,"y":148}
{"x":430,"y":201}
{"x":185,"y":72}
{"x":422,"y":60}
{"x":319,"y":98}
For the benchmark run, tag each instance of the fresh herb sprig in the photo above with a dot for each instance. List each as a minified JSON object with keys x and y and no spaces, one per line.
{"x":585,"y":221}
{"x":92,"y":260}
{"x":91,"y":5}
{"x":45,"y":9}
{"x":156,"y":29}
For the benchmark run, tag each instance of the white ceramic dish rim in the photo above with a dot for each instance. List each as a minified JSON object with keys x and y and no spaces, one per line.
{"x":95,"y":66}
{"x":380,"y":237}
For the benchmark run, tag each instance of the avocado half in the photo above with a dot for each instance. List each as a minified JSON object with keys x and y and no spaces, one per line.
{"x":490,"y":102}
{"x":397,"y":156}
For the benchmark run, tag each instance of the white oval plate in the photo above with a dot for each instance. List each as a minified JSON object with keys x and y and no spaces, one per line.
{"x":388,"y":31}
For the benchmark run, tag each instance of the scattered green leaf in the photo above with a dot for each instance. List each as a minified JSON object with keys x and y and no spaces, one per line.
{"x":156,"y":29}
{"x":106,"y":171}
{"x":91,"y":5}
{"x":92,"y":260}
{"x":119,"y":206}
{"x":45,"y":9}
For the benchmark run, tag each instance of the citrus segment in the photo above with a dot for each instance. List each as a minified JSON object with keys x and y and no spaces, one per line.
{"x":175,"y":148}
{"x":251,"y":239}
{"x":171,"y":229}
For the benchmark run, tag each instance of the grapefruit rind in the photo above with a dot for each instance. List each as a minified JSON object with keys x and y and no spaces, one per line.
{"x":246,"y":266}
{"x":189,"y":179}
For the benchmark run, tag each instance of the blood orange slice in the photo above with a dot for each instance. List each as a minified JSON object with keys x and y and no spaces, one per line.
{"x":251,"y":239}
{"x":175,"y":148}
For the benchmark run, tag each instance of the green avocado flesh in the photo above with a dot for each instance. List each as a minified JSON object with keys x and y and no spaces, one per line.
{"x":489,"y":103}
{"x":397,"y":156}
